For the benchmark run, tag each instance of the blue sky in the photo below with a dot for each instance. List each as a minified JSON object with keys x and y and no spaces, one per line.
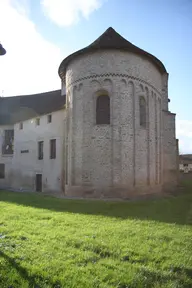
{"x":41,"y":33}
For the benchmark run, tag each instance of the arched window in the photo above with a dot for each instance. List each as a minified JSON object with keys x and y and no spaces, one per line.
{"x":142,"y":110}
{"x":103,"y":109}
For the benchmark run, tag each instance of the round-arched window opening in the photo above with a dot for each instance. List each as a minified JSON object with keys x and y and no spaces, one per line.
{"x":103,"y":109}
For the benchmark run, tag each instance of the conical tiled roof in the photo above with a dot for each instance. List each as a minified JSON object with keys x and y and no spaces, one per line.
{"x":110,"y":39}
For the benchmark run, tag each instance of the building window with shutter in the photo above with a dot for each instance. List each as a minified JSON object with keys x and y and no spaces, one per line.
{"x":40,"y":150}
{"x":103,"y":109}
{"x":8,"y":142}
{"x":52,"y":148}
{"x":143,"y":112}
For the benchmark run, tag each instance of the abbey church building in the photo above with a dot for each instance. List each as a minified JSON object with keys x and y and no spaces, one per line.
{"x":107,"y":133}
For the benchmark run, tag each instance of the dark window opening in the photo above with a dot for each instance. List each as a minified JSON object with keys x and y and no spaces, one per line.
{"x":37,"y":121}
{"x":103,"y":109}
{"x":142,"y":110}
{"x":66,"y":172}
{"x":24,"y":151}
{"x":2,"y":171}
{"x":49,"y":118}
{"x":21,"y":126}
{"x":38,"y":183}
{"x":52,"y":148}
{"x":40,"y":150}
{"x":8,"y":142}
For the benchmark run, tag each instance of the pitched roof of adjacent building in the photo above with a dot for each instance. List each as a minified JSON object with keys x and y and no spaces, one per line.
{"x":185,"y":157}
{"x":19,"y":108}
{"x":110,"y":39}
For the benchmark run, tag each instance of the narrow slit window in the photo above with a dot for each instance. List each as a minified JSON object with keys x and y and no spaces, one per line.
{"x":49,"y":118}
{"x":37,"y":121}
{"x":40,"y":150}
{"x":52,"y":148}
{"x":21,"y":125}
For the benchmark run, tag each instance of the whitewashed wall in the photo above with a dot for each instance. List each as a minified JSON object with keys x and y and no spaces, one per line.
{"x":186,"y":169}
{"x":21,"y":168}
{"x":5,"y":159}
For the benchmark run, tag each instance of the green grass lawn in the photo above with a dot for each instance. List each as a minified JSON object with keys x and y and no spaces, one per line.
{"x":49,"y":242}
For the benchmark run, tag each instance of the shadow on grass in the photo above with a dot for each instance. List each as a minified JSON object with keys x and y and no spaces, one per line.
{"x":34,"y":281}
{"x":144,"y":276}
{"x":169,"y":210}
{"x":179,"y":277}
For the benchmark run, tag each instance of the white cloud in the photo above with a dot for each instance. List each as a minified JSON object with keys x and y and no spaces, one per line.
{"x":68,"y":12}
{"x":31,"y":62}
{"x":184,"y":134}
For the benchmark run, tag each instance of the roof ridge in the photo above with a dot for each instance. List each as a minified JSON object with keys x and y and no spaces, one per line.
{"x":20,"y":108}
{"x":35,"y":94}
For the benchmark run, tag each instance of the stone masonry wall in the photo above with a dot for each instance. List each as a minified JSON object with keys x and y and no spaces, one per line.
{"x":170,"y":150}
{"x":121,"y":155}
